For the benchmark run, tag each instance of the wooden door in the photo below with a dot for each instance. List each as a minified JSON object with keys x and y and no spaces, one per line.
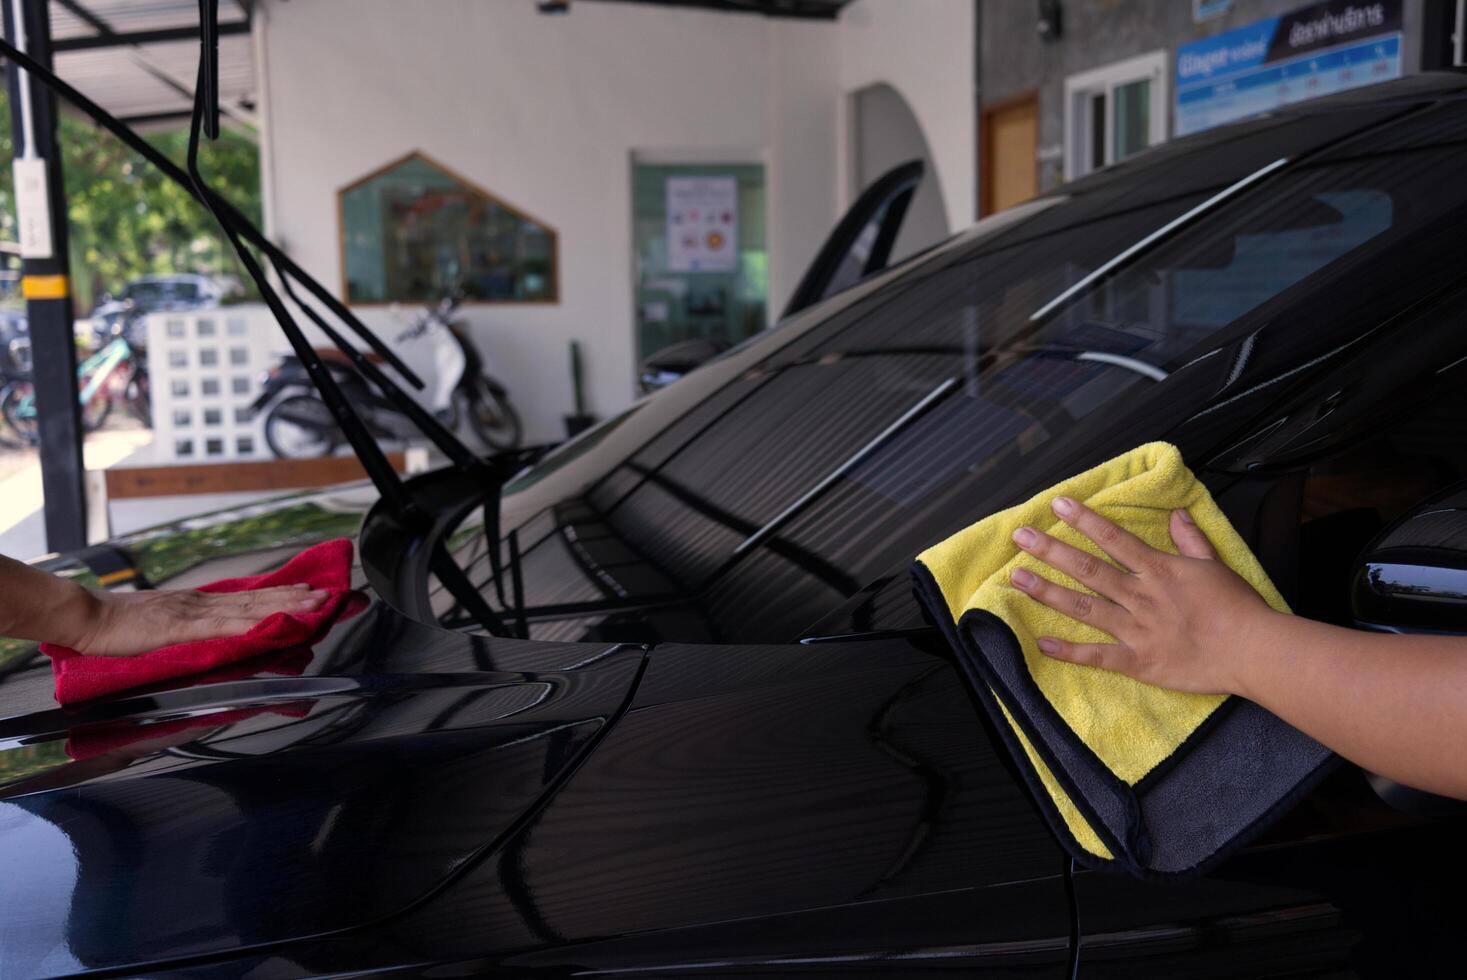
{"x":1010,"y":136}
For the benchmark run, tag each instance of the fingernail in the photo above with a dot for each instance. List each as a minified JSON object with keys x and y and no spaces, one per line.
{"x":1064,"y":506}
{"x":1186,"y":517}
{"x":1023,"y":578}
{"x":1025,"y":537}
{"x":1049,"y":644}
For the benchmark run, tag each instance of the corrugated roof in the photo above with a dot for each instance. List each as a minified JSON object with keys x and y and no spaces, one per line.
{"x":139,"y":58}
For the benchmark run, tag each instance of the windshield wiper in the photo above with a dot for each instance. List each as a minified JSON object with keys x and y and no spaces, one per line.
{"x":237,"y":230}
{"x":384,"y":477}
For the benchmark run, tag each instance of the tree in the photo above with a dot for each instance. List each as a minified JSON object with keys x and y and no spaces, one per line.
{"x":126,"y":219}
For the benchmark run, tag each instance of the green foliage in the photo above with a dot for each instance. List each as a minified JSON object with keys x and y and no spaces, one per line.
{"x":171,"y":550}
{"x":24,"y":761}
{"x":126,"y":218}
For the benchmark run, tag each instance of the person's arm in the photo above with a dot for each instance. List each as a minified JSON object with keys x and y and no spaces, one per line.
{"x":1395,"y":705}
{"x":37,"y":606}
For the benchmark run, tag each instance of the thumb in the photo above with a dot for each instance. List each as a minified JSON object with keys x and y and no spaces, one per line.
{"x":1188,"y":537}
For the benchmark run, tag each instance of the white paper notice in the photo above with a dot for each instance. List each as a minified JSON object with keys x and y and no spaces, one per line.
{"x":33,"y":209}
{"x":702,"y":224}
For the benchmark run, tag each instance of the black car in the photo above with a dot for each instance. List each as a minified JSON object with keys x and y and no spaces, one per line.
{"x":722,"y":741}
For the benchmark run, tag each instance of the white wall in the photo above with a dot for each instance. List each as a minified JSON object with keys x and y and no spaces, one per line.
{"x":924,"y":50}
{"x":547,"y":112}
{"x":887,"y":135}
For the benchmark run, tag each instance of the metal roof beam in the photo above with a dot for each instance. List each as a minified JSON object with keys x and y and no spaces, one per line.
{"x":139,"y":58}
{"x":112,"y":39}
{"x":796,"y":9}
{"x":154,"y":118}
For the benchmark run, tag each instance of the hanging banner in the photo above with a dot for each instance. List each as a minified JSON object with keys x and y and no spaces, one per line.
{"x":1317,"y":50}
{"x":702,"y":224}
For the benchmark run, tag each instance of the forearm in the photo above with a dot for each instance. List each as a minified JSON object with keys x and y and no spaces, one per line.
{"x":1394,"y":705}
{"x":37,"y":606}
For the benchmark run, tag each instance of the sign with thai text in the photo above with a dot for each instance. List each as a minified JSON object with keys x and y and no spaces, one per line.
{"x":1317,"y":50}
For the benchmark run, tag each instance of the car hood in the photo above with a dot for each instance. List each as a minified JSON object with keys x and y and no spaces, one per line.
{"x":305,"y":792}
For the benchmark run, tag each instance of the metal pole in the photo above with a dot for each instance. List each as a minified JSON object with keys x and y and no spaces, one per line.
{"x":41,"y":212}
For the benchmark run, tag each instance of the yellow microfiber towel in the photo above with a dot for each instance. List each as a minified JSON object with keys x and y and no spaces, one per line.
{"x":1100,"y":749}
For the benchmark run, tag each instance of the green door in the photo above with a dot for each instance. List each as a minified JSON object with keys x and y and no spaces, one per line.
{"x":702,"y":258}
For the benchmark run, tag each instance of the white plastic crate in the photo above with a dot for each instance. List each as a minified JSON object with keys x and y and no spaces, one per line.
{"x":204,"y":367}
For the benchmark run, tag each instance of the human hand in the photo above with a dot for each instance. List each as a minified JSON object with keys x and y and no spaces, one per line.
{"x":120,"y":624}
{"x":1183,"y":622}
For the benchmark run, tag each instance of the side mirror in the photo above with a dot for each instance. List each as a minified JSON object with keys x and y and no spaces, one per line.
{"x":1413,"y":577}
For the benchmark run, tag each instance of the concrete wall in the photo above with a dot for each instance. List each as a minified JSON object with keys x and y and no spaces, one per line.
{"x":548,"y":113}
{"x":888,"y":135}
{"x":925,"y":51}
{"x":1099,"y":32}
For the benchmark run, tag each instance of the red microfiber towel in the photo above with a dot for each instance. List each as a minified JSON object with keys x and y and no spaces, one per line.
{"x":324,"y":566}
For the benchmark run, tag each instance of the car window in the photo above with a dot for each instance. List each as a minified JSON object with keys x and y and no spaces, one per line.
{"x":161,"y":292}
{"x":944,"y":395}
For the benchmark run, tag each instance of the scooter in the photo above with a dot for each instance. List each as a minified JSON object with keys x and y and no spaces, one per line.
{"x":298,"y":424}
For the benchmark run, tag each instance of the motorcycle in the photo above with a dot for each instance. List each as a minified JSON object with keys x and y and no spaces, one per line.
{"x":298,"y":424}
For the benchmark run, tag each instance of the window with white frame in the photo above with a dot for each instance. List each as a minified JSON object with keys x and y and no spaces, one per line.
{"x":1114,"y":111}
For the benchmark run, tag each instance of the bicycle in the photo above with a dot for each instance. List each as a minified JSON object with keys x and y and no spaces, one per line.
{"x":114,"y":373}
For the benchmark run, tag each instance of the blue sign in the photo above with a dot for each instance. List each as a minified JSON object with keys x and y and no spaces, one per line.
{"x":1324,"y":48}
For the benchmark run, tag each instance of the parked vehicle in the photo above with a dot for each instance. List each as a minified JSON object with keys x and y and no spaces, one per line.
{"x":15,"y":348}
{"x":114,"y":373}
{"x":298,"y":424}
{"x":724,"y":741}
{"x":672,"y":363}
{"x":123,"y":313}
{"x":15,"y":363}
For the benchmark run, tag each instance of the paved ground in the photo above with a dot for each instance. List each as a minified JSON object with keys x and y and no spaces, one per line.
{"x":15,"y":456}
{"x":22,"y":530}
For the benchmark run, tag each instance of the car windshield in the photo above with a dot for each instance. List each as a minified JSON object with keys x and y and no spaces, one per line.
{"x":925,"y":405}
{"x":167,"y":291}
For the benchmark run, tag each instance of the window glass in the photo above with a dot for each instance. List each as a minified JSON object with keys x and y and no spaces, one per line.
{"x":161,"y":291}
{"x":1132,"y":117}
{"x":415,"y":232}
{"x":944,"y":394}
{"x":853,"y":264}
{"x":1097,"y":130}
{"x":702,"y":263}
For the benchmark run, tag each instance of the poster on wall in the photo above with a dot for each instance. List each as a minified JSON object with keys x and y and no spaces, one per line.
{"x":1317,"y":50}
{"x":702,"y":224}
